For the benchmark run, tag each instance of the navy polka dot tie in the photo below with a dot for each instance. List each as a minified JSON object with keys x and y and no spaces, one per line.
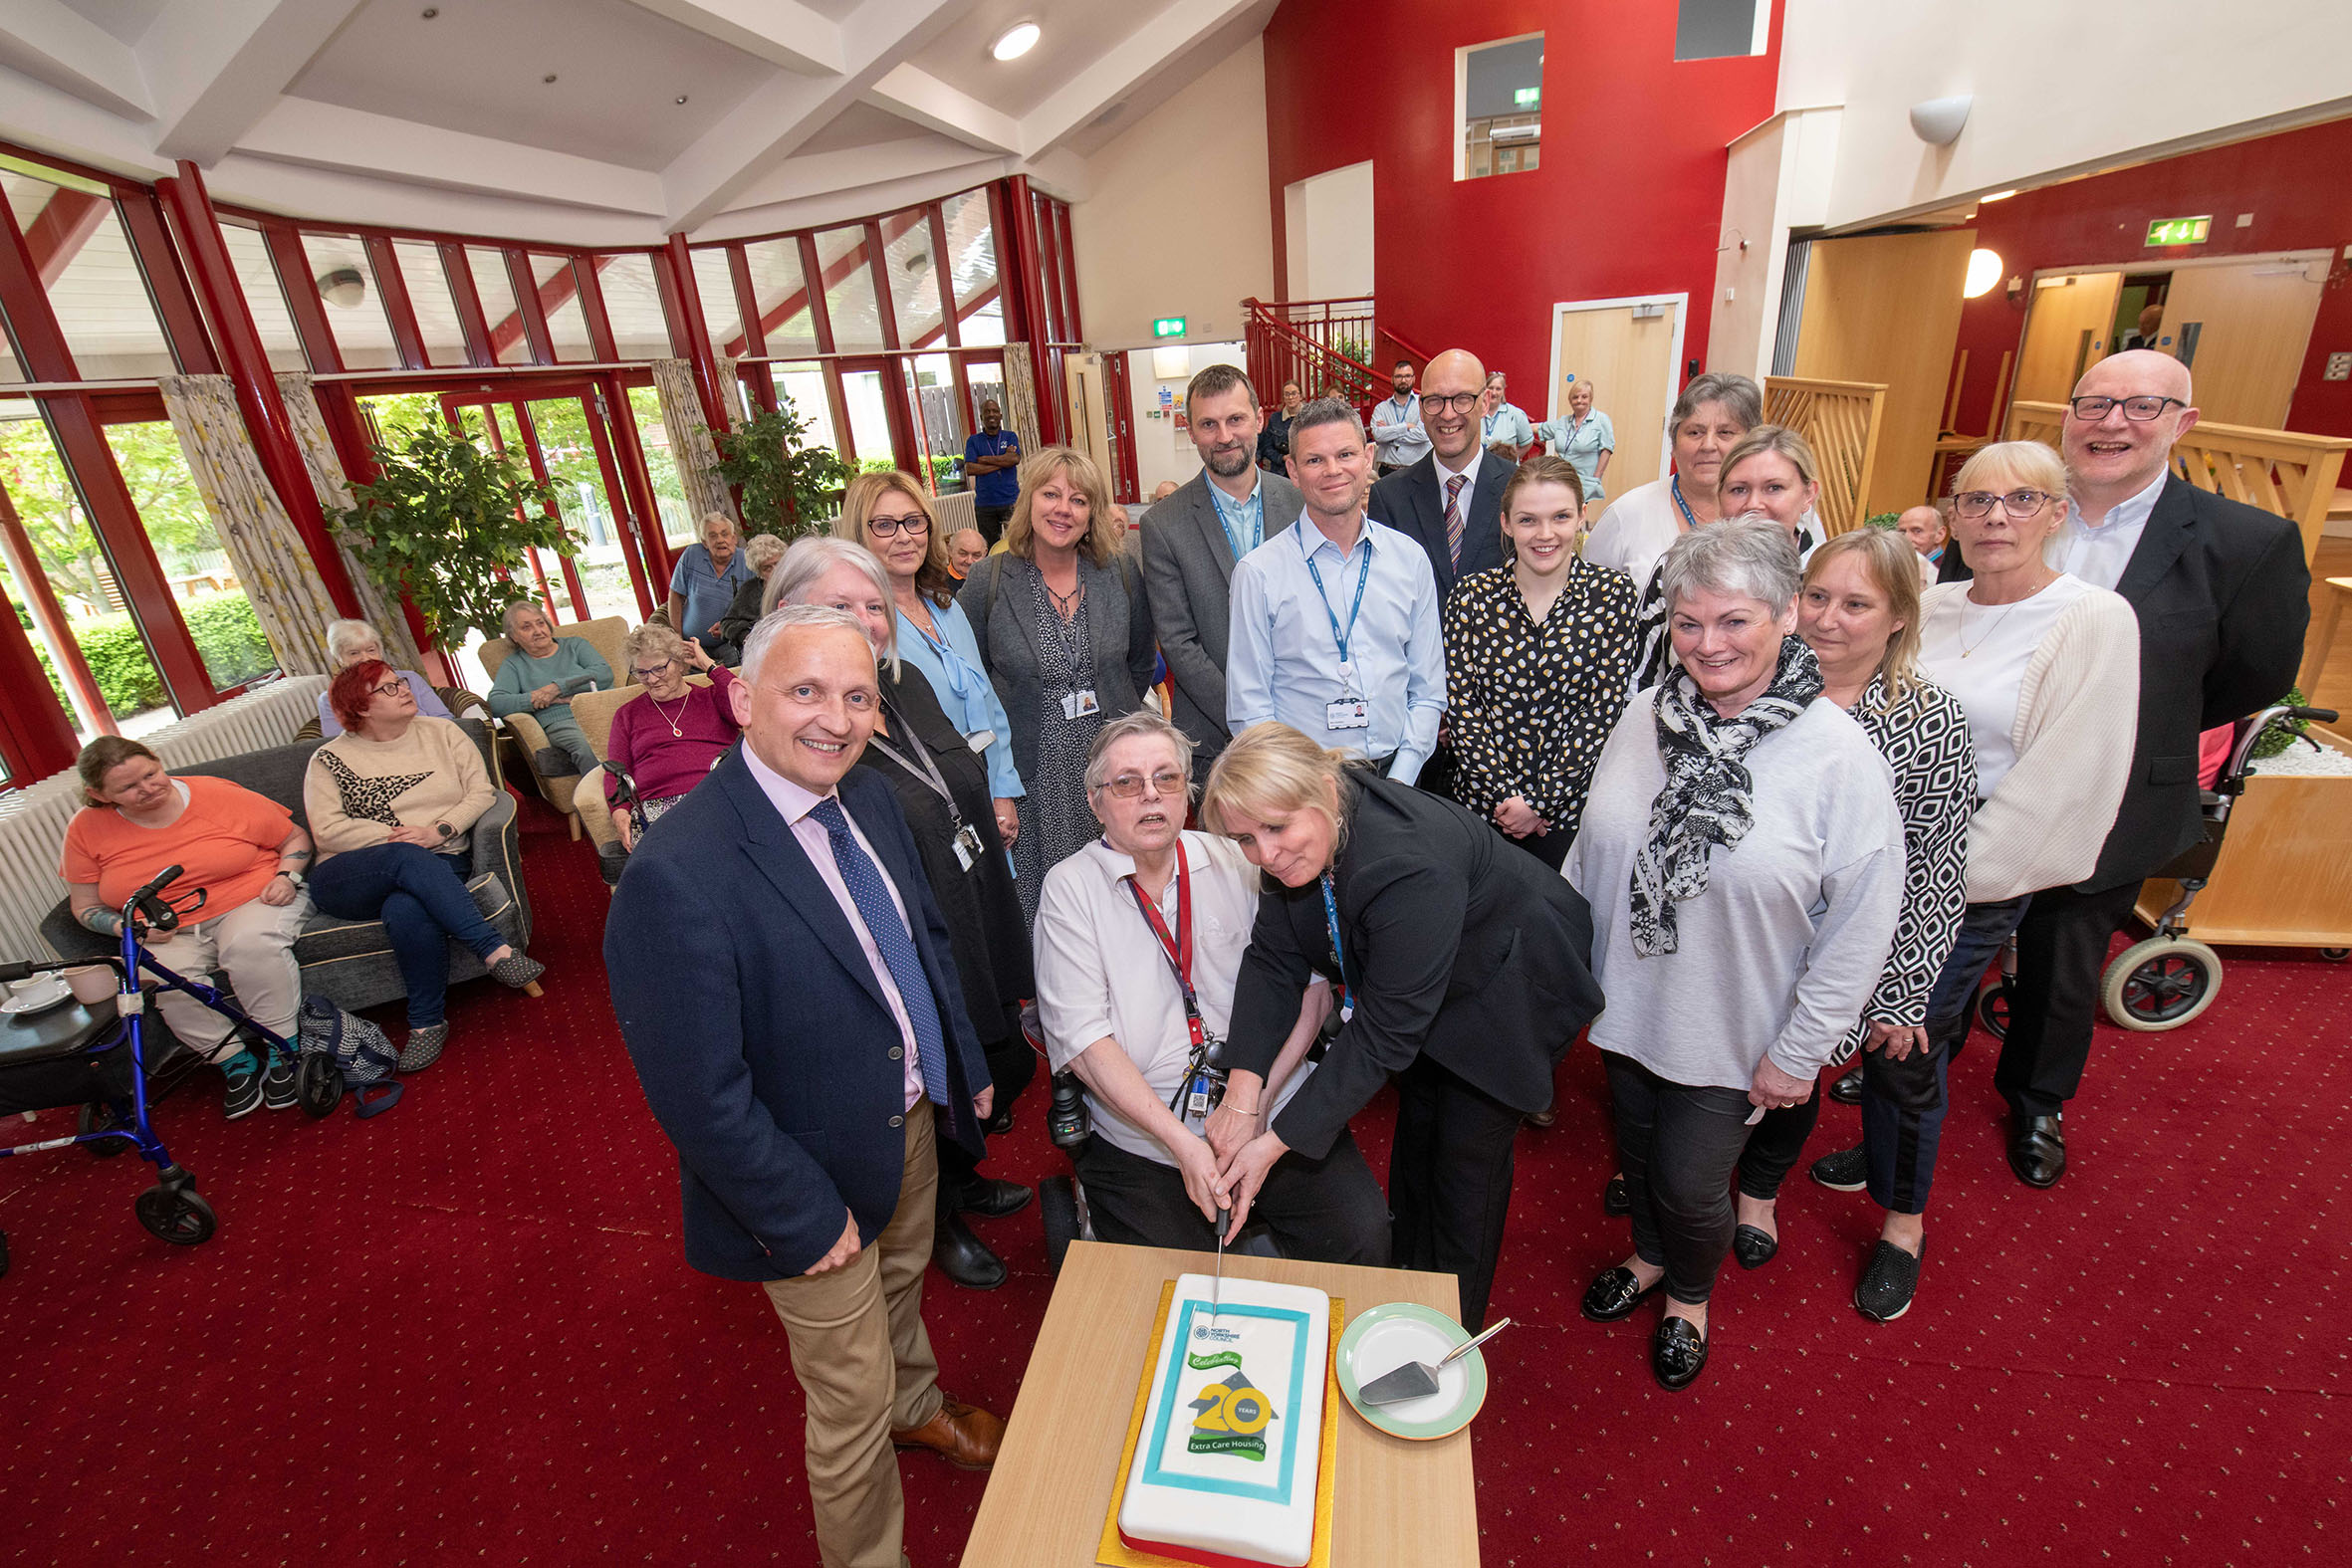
{"x":872,"y":898}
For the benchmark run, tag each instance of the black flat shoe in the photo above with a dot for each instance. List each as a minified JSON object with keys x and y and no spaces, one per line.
{"x":1753,"y":1246}
{"x":1848,"y":1089}
{"x":964,"y":1257}
{"x":1614,"y":1294}
{"x":1843,"y":1172}
{"x":1889,"y":1283}
{"x":1678,"y":1354}
{"x":1615,"y":1201}
{"x":999,"y":1124}
{"x":1547,"y":1117}
{"x":2037,"y":1150}
{"x":993,"y":1200}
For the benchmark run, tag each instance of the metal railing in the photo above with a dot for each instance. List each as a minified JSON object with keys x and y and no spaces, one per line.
{"x":1326,"y":345}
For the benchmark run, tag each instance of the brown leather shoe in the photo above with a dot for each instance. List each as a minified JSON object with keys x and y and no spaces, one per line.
{"x":963,"y":1435}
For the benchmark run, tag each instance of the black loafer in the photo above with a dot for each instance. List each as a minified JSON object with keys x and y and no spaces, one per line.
{"x":1889,"y":1283}
{"x":993,"y":1200}
{"x":1848,"y":1089}
{"x":1615,"y":1201}
{"x":1614,"y":1294}
{"x":2037,"y":1150}
{"x":999,"y":1124}
{"x":1843,"y":1172}
{"x":964,"y":1257}
{"x":1753,"y":1246}
{"x":1678,"y":1354}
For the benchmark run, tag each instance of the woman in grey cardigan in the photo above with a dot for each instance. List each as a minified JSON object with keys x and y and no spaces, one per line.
{"x":1065,"y":634}
{"x":1744,"y":859}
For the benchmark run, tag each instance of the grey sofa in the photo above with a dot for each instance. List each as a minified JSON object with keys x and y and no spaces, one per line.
{"x":350,"y":961}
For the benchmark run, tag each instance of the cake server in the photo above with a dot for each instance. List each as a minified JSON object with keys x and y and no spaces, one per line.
{"x":1416,"y":1378}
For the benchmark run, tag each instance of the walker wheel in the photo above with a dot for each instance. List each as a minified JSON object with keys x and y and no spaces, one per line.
{"x":101,"y":1117}
{"x":2335,"y":955}
{"x":317,"y":1085}
{"x":1993,"y":1010}
{"x":1058,"y":1208}
{"x":2161,"y":984}
{"x":177,"y":1215}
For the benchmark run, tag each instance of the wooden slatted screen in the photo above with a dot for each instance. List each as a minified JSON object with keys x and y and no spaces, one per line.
{"x":1839,"y":421}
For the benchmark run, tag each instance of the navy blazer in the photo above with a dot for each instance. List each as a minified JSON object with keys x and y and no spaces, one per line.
{"x":764,"y":1043}
{"x":1411,"y":501}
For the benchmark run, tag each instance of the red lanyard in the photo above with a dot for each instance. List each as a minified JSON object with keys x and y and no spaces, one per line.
{"x":1177,"y":948}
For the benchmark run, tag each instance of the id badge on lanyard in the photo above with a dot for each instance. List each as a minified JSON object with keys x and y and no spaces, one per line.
{"x":1077,"y":705}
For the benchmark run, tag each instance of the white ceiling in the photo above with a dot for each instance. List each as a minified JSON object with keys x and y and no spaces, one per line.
{"x":797,"y":113}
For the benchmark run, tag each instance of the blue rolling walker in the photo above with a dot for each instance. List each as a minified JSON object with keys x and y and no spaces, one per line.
{"x":62,"y":1068}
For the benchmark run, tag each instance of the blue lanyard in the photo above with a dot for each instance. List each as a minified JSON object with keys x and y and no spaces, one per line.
{"x":1233,"y":538}
{"x":1338,"y":953}
{"x":1674,"y":488}
{"x":1339,"y":638}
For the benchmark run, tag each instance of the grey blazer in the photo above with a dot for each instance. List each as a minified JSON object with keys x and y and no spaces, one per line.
{"x":1188,"y":562}
{"x":1000,"y":600}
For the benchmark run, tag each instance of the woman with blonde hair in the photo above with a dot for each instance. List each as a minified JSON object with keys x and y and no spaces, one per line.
{"x":1461,"y":968}
{"x":888,"y":514}
{"x":1065,"y":634}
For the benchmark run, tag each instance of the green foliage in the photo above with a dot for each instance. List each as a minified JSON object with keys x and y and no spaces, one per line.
{"x":786,"y":489}
{"x":1881,"y":520}
{"x":451,"y":526}
{"x":153,"y":470}
{"x":876,"y":465}
{"x":2283,"y":734}
{"x":222,"y":624}
{"x":943,"y":472}
{"x":229,"y":638}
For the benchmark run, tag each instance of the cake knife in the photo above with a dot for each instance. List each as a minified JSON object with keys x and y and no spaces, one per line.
{"x":1217,"y":1285}
{"x":1416,"y":1378}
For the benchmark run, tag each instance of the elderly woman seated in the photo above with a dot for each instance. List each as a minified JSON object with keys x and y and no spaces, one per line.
{"x":350,"y":641}
{"x":542,"y":676}
{"x":390,"y":803}
{"x":761,"y":553}
{"x":244,"y":852}
{"x":668,"y":737}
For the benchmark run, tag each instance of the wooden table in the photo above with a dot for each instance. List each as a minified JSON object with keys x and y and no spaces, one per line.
{"x":1396,"y":1501}
{"x":2323,"y":636}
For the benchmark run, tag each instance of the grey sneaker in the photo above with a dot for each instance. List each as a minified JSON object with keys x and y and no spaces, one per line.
{"x":423,"y":1046}
{"x":244,"y":1095}
{"x":276,"y":1084}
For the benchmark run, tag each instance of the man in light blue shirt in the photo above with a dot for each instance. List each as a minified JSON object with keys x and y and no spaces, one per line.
{"x":1335,"y":619}
{"x":1396,"y":423}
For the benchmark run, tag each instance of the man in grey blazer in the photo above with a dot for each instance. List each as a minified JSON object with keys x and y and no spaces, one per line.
{"x":1193,"y":537}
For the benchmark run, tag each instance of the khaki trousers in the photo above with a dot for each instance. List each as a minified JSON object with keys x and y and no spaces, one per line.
{"x":253,"y":946}
{"x":866,"y":1365}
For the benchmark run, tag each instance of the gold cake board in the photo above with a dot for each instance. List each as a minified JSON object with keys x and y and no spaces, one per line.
{"x":1114,"y":1552}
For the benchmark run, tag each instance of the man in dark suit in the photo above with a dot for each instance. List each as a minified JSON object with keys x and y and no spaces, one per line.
{"x":782,"y":978}
{"x":1192,"y":539}
{"x":2221,"y":591}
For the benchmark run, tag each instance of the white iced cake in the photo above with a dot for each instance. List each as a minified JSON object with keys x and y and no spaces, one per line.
{"x":1229,"y":1455}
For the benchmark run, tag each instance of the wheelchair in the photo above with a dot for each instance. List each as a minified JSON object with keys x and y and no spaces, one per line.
{"x":107,"y":1075}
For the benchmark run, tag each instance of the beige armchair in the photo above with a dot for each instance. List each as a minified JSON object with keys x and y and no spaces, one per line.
{"x":595,"y":713}
{"x":609,"y":637}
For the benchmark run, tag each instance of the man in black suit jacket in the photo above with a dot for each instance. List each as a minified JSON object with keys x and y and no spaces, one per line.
{"x":2221,"y":591}
{"x":783,"y":979}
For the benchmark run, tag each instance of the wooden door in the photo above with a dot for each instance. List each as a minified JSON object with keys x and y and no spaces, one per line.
{"x":1628,"y":352}
{"x":1090,"y":416}
{"x":2067,"y":328}
{"x":2243,"y":330}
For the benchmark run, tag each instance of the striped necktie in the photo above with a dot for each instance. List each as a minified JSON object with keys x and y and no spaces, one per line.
{"x":882,"y":923}
{"x":1454,"y":518}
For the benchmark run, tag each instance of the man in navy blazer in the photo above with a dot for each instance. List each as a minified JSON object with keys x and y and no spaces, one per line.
{"x":783,"y":979}
{"x":1413,"y":499}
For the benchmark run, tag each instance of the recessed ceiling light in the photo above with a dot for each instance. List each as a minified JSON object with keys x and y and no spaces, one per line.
{"x":550,"y":77}
{"x":1018,"y":40}
{"x":431,"y":11}
{"x":681,"y":97}
{"x":1998,"y":195}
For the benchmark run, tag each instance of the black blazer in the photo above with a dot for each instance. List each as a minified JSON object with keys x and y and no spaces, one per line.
{"x":765,"y":1046}
{"x":1411,"y":501}
{"x":2223,"y":597}
{"x":1458,"y":943}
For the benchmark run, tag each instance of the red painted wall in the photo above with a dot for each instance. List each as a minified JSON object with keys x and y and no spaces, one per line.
{"x":2290,"y":183}
{"x":1628,"y":199}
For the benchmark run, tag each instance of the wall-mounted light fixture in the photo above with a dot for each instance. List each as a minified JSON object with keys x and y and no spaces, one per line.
{"x":344,"y":286}
{"x":1983,"y":272}
{"x":1938,"y":121}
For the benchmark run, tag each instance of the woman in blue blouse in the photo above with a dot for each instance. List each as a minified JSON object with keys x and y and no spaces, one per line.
{"x":1586,"y":439}
{"x":704,"y":584}
{"x":888,"y":514}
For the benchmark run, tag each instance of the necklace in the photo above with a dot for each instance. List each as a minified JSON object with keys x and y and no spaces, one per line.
{"x":1065,"y":605}
{"x":1992,"y":623}
{"x":675,"y":731}
{"x":920,"y":614}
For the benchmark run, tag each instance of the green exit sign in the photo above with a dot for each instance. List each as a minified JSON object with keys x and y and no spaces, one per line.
{"x":2180,"y":231}
{"x":1527,"y":98}
{"x":1168,"y":327}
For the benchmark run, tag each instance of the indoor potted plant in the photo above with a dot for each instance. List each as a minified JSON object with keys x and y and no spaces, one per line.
{"x":781,"y":487}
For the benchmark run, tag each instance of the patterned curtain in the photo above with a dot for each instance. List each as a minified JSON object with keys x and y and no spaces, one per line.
{"x":333,"y":489}
{"x":1021,"y":396}
{"x":690,"y":437}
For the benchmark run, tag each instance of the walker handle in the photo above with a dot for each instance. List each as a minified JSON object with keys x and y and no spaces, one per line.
{"x":159,"y":915}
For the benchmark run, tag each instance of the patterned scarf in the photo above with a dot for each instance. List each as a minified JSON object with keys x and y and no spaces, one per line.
{"x":1707,"y":799}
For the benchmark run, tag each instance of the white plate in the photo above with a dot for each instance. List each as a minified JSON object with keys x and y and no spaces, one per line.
{"x":18,"y":1004}
{"x":1387,"y":1337}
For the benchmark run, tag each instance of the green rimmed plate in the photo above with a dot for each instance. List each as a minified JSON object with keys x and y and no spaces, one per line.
{"x":1385,"y":1338}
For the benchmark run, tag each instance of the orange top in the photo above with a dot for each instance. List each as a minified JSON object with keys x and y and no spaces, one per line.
{"x":226,"y":838}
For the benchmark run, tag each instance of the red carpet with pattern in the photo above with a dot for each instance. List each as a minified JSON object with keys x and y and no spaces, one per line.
{"x":464,"y":1331}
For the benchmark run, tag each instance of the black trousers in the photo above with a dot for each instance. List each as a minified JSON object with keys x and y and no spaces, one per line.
{"x":1326,"y":1210}
{"x":991,"y":522}
{"x":1775,"y":1143}
{"x":2061,"y":957}
{"x":1676,"y":1147}
{"x":1010,"y":1065}
{"x":1449,"y":1179}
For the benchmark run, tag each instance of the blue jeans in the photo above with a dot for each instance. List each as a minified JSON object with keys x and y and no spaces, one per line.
{"x":421,"y":899}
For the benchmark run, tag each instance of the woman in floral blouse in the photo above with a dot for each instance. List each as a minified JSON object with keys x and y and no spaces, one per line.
{"x":1537,"y":654}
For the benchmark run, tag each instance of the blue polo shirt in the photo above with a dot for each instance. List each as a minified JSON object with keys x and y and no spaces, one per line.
{"x":1003,"y":487}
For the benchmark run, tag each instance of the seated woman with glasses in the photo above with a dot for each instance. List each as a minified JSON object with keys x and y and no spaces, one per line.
{"x":668,"y":737}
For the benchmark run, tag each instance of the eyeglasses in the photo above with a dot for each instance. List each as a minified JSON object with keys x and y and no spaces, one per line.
{"x":395,"y":684}
{"x":886,"y":527}
{"x":2018,"y":502}
{"x":646,"y":672}
{"x":2139,"y":410}
{"x":1460,"y":402}
{"x":1167,"y":781}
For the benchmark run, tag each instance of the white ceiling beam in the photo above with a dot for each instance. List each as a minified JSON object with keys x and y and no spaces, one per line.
{"x":770,"y":124}
{"x":930,"y":102}
{"x":334,"y":196}
{"x":219,"y":66}
{"x":780,"y":32}
{"x":330,"y":136}
{"x":51,"y":42}
{"x":1153,"y":47}
{"x":822,"y":173}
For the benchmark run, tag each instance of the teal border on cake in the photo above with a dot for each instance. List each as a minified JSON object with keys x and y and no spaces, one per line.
{"x":1277,"y":1491}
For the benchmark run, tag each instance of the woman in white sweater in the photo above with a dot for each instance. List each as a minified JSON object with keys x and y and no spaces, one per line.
{"x":2047,"y":668}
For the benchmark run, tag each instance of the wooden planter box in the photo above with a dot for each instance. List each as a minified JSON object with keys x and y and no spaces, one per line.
{"x":2284,"y":877}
